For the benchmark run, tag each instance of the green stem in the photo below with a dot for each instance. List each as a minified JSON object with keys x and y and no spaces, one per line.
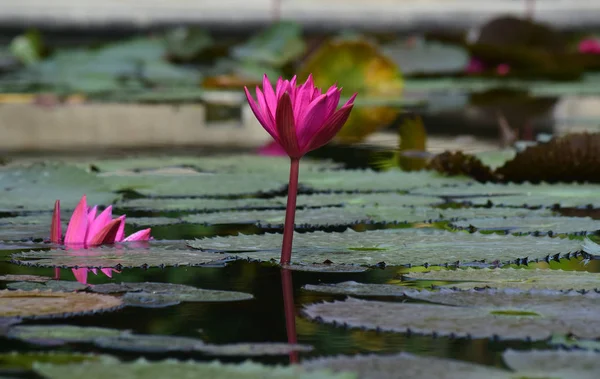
{"x":290,"y":212}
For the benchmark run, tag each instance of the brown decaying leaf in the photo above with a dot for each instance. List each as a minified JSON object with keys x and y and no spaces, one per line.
{"x":35,"y":304}
{"x":571,"y":158}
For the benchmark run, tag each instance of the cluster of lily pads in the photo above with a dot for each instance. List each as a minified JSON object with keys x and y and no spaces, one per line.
{"x":472,"y":260}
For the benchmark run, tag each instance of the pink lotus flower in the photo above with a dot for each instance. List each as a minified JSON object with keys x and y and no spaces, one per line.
{"x":86,"y":229}
{"x":589,"y":46}
{"x":300,"y":119}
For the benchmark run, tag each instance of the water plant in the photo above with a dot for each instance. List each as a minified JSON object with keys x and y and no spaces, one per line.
{"x":301,"y":119}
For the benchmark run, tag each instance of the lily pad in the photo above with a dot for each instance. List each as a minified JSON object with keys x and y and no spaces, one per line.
{"x":24,"y":278}
{"x":147,"y":343}
{"x":152,"y":221}
{"x":324,"y":267}
{"x":36,"y":187}
{"x":544,"y":225}
{"x":51,"y":285}
{"x":36,"y":304}
{"x":369,"y":181}
{"x":353,"y":288}
{"x":194,"y":204}
{"x":506,"y":314}
{"x":405,"y":366}
{"x":513,"y":278}
{"x":25,"y":361}
{"x":172,"y":368}
{"x":59,"y":334}
{"x":120,"y":256}
{"x":576,"y":343}
{"x":546,"y":195}
{"x":392,"y":246}
{"x":254,"y":349}
{"x":553,"y":364}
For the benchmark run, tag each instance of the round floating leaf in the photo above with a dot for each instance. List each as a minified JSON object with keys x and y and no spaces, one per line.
{"x":566,"y":195}
{"x":176,"y":369}
{"x":507,"y":314}
{"x":36,"y":304}
{"x":357,"y":289}
{"x":553,"y":364}
{"x":405,"y":366}
{"x":148,"y":343}
{"x":24,"y":278}
{"x":51,"y":285}
{"x":324,"y":267}
{"x":25,"y":361}
{"x":103,"y":257}
{"x":36,"y":187}
{"x":148,"y":300}
{"x":253,"y":349}
{"x":195,"y":204}
{"x":152,"y":221}
{"x":544,"y":225}
{"x":361,"y":199}
{"x":173,"y":184}
{"x":392,"y":246}
{"x":233,"y":163}
{"x":24,"y":228}
{"x":59,"y":334}
{"x":367,"y":181}
{"x":513,"y":278}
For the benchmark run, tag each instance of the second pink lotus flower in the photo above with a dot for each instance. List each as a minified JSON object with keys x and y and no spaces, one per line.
{"x":87,"y":228}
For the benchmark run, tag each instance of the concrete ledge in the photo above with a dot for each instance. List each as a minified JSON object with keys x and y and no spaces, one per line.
{"x":330,"y":14}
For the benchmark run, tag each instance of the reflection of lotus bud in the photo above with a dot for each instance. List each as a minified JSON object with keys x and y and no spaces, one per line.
{"x":589,"y":46}
{"x":503,"y":69}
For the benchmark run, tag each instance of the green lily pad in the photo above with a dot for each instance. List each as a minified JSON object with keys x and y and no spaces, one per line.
{"x":36,"y":187}
{"x":368,"y":181}
{"x":152,"y":221}
{"x":513,"y":278}
{"x":148,"y":343}
{"x":405,"y":366}
{"x":184,"y":370}
{"x":59,"y":334}
{"x":353,"y":288}
{"x":543,"y":225}
{"x":194,"y":204}
{"x":174,"y":184}
{"x":121,"y":256}
{"x":232,"y":164}
{"x":254,"y":349}
{"x":361,"y":199}
{"x":324,"y":267}
{"x":51,"y":285}
{"x":576,"y":343}
{"x":24,"y":278}
{"x":546,"y":195}
{"x":507,"y":314}
{"x":25,"y":361}
{"x":36,"y":304}
{"x":392,"y":246}
{"x":553,"y":364}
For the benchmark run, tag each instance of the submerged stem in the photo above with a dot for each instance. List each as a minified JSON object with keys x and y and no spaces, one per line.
{"x":290,"y":212}
{"x":289,"y":311}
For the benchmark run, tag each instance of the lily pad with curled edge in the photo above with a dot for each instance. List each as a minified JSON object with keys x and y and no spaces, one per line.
{"x":513,"y":278}
{"x":231,"y":163}
{"x":184,"y":370}
{"x":405,"y":366}
{"x":51,"y":285}
{"x":553,"y":364}
{"x":371,"y":181}
{"x":536,"y":225}
{"x":55,"y":335}
{"x":38,"y":304}
{"x":508,"y":314}
{"x":37,"y":186}
{"x":119,"y":256}
{"x":167,"y":184}
{"x":165,"y":294}
{"x":546,"y":195}
{"x":574,"y":343}
{"x":392,"y":246}
{"x":25,"y":361}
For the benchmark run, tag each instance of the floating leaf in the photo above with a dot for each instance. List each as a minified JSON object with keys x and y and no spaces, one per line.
{"x":16,"y":360}
{"x":172,"y":368}
{"x":513,"y":278}
{"x":546,"y":195}
{"x":358,"y":66}
{"x":36,"y":304}
{"x":254,"y":349}
{"x":459,"y":163}
{"x":392,"y":246}
{"x":103,"y":257}
{"x":24,"y":278}
{"x":59,"y":334}
{"x":194,"y":204}
{"x":543,"y":225}
{"x":148,"y":343}
{"x":324,"y":267}
{"x":36,"y":187}
{"x":571,"y":342}
{"x":405,"y":366}
{"x":367,"y":181}
{"x":51,"y":285}
{"x":553,"y":364}
{"x":506,"y":314}
{"x":357,"y":289}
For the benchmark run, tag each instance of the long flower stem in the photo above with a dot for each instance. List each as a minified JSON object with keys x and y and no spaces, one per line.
{"x":289,"y":310}
{"x":290,"y":212}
